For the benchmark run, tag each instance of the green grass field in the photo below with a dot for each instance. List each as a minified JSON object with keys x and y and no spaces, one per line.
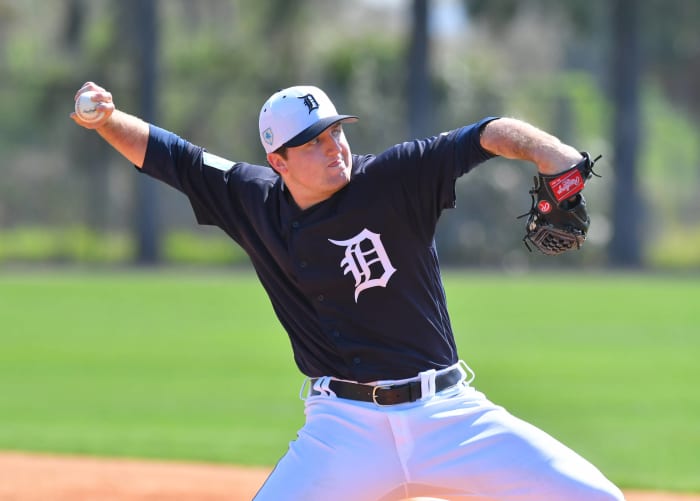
{"x":194,"y":366}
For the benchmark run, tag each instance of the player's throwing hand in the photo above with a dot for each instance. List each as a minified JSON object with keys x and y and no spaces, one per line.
{"x":93,"y":106}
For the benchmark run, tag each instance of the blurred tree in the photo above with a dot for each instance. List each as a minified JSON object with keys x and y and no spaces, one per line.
{"x":96,"y":185}
{"x":74,"y":23}
{"x":673,"y":48}
{"x":219,"y":59}
{"x":284,"y":27}
{"x":420,"y":102}
{"x":148,"y":228}
{"x":583,"y":14}
{"x":625,"y":72}
{"x":626,"y":69}
{"x":129,"y":42}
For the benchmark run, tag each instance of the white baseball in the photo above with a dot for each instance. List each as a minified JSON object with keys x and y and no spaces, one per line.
{"x":86,"y":108}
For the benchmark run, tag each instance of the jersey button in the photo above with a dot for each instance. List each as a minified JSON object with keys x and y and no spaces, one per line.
{"x":303,"y":264}
{"x":335,"y":333}
{"x":295,"y":224}
{"x":320,"y":298}
{"x":356,"y":360}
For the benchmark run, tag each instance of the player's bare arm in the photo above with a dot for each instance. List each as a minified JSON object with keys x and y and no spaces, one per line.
{"x":125,"y":133}
{"x":128,"y":135}
{"x":518,"y":140}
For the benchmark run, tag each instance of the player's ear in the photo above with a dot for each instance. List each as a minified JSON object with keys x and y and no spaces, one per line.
{"x":277,"y":162}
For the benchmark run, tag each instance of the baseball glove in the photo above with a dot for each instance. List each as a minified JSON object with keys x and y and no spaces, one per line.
{"x":558,"y":219}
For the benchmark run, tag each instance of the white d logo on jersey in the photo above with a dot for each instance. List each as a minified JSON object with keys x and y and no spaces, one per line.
{"x":365,"y":255}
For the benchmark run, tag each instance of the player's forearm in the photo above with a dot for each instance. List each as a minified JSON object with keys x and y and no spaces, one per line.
{"x":128,"y":135}
{"x":518,"y":140}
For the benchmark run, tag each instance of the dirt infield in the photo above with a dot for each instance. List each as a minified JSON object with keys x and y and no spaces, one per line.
{"x":35,"y":477}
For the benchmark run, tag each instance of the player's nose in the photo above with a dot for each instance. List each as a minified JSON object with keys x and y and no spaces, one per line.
{"x":334,"y":144}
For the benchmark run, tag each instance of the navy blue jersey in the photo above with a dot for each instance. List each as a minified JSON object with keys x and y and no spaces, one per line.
{"x":355,"y":279}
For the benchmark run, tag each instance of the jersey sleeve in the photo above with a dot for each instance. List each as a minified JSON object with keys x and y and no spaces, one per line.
{"x":425,"y":171}
{"x":167,"y":155}
{"x":209,"y":181}
{"x":469,"y":153}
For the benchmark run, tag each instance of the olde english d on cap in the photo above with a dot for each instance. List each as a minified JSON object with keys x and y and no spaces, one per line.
{"x":296,"y":115}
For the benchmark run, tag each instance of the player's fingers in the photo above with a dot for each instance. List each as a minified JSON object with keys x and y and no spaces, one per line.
{"x":101,"y":96}
{"x":92,"y":86}
{"x":105,"y":108}
{"x":87,"y":86}
{"x":104,"y":101}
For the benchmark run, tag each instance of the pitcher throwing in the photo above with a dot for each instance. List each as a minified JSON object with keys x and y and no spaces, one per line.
{"x":344,"y":246}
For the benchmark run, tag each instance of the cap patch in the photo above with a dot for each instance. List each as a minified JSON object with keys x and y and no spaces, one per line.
{"x":268,"y":136}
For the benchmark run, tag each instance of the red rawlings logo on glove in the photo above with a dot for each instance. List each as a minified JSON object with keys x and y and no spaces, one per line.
{"x":566,"y":185}
{"x":544,"y":207}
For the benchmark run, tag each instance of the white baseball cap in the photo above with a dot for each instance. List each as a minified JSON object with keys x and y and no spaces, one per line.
{"x":296,"y":115}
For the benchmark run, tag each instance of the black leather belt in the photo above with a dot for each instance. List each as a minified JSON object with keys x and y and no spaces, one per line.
{"x":388,"y":394}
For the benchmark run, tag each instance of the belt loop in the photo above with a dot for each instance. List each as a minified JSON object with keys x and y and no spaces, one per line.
{"x":467,"y":371}
{"x":427,"y":384}
{"x":304,"y":383}
{"x":322,"y":385}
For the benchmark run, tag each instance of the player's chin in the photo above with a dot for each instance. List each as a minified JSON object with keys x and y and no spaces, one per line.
{"x":344,"y":173}
{"x":337,"y":179}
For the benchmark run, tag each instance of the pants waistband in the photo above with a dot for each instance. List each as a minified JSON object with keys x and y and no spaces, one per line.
{"x":390,"y":394}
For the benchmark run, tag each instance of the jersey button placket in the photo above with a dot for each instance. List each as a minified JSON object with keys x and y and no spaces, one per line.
{"x":302,"y":263}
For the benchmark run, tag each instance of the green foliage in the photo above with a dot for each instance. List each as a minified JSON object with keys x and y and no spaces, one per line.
{"x":76,"y":244}
{"x":500,"y":13}
{"x":361,"y":74}
{"x":672,"y":154}
{"x":670,"y":177}
{"x":677,"y":248}
{"x":195,"y":366}
{"x":81,"y":245}
{"x":570,"y":103}
{"x":343,"y":61}
{"x":187,"y":248}
{"x":219,"y":60}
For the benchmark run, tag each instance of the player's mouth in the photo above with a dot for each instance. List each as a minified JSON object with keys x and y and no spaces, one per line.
{"x":339,"y":163}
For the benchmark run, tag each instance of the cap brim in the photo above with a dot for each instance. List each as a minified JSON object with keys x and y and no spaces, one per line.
{"x":311,"y":132}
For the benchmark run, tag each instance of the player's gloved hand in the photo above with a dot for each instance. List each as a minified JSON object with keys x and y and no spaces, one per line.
{"x":558,"y":220}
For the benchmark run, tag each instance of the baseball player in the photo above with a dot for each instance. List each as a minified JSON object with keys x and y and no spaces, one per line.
{"x":344,"y":246}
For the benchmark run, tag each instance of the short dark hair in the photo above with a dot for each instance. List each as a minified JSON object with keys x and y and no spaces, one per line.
{"x":282,"y":151}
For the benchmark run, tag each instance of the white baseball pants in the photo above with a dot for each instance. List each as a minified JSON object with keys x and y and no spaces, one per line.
{"x":454,"y":445}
